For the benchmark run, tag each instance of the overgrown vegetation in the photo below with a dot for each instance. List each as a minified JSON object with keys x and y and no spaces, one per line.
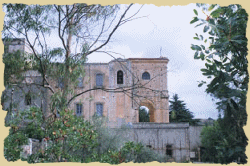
{"x":81,"y":30}
{"x":226,"y":67}
{"x":72,"y":139}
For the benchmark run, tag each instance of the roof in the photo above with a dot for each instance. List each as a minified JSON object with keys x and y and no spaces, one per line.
{"x":161,"y":58}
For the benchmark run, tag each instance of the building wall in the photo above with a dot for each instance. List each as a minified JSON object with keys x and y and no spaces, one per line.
{"x":15,"y":95}
{"x":155,"y":91}
{"x":14,"y":45}
{"x":182,"y":138}
{"x":122,"y":107}
{"x":194,"y":132}
{"x":118,"y":106}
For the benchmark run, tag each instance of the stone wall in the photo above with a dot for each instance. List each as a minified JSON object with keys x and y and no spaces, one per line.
{"x":13,"y":45}
{"x":178,"y":139}
{"x":14,"y":97}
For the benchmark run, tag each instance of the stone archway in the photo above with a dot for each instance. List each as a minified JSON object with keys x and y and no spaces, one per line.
{"x":151,"y":108}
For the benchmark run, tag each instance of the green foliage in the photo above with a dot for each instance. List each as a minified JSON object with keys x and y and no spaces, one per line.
{"x":72,"y":139}
{"x":195,"y":12}
{"x":210,"y":138}
{"x":108,"y":139}
{"x":138,"y":153}
{"x":15,"y":65}
{"x":143,"y":115}
{"x":179,"y":112}
{"x":13,"y":143}
{"x":226,"y":66}
{"x":219,"y":147}
{"x":68,"y":137}
{"x":78,"y":26}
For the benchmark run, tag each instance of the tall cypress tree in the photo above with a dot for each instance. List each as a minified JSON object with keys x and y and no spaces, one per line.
{"x":179,"y":112}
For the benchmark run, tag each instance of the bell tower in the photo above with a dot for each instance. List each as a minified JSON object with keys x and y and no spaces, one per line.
{"x":150,"y":76}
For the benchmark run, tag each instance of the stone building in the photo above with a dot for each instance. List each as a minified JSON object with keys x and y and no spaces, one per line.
{"x":125,"y":85}
{"x":117,"y":90}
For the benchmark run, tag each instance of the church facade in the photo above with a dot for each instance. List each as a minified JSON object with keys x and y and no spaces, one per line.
{"x":116,"y":90}
{"x":120,"y":87}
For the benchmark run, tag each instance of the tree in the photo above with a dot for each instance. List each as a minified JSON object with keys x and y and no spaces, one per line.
{"x":209,"y":141}
{"x":226,"y":66}
{"x":69,"y":138}
{"x":81,"y":30}
{"x":15,"y":65}
{"x":179,"y":112}
{"x":72,"y":139}
{"x":143,"y":115}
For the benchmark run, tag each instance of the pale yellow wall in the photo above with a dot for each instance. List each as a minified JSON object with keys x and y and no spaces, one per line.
{"x":124,"y":105}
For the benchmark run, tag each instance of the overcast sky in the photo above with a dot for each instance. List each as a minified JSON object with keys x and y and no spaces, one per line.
{"x":167,"y":28}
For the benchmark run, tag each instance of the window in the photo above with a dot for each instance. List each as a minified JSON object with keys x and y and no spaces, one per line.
{"x":119,"y":77}
{"x":169,"y":151}
{"x":80,"y":82}
{"x":78,"y":109}
{"x":99,"y":109}
{"x":60,"y":82}
{"x":28,"y":99}
{"x":146,"y":76}
{"x":99,"y":80}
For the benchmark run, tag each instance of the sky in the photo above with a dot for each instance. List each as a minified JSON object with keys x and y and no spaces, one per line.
{"x":163,"y":31}
{"x":167,"y":29}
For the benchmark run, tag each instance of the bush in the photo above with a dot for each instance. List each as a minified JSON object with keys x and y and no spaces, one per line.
{"x":138,"y":153}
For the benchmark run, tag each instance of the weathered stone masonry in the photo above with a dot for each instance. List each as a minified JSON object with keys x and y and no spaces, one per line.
{"x":145,"y":83}
{"x":124,"y":106}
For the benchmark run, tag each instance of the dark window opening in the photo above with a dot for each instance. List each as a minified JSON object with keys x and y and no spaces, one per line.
{"x":169,"y":150}
{"x":99,"y":109}
{"x":146,"y":76}
{"x":119,"y":77}
{"x":28,"y":99}
{"x":78,"y":109}
{"x":99,"y":80}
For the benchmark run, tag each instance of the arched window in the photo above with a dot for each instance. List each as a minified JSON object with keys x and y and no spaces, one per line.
{"x":119,"y":77}
{"x":146,"y":76}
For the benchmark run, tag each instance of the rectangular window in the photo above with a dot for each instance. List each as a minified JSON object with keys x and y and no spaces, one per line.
{"x":99,"y":109}
{"x":78,"y":109}
{"x":80,"y":82}
{"x":99,"y":80}
{"x":169,"y":150}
